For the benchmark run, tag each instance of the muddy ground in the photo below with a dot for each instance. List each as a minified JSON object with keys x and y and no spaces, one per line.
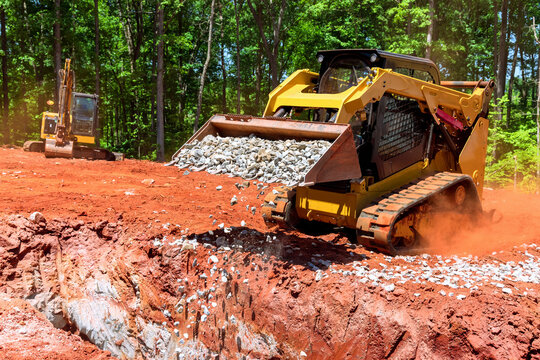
{"x":136,"y":260}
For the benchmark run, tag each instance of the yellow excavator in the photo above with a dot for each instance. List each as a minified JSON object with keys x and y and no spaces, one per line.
{"x":406,"y":148}
{"x":72,"y":132}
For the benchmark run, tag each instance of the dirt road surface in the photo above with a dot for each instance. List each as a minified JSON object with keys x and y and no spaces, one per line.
{"x":136,"y":260}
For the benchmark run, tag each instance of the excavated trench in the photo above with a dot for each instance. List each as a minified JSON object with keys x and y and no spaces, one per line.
{"x":237,"y":293}
{"x":113,"y":265}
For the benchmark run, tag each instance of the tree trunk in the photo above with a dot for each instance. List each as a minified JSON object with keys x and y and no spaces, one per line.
{"x":431,"y":26}
{"x":159,"y":105}
{"x":223,"y":68}
{"x":57,"y":49}
{"x":518,"y":33}
{"x":128,"y":34}
{"x":495,"y":27}
{"x":97,"y":63}
{"x":524,"y":89}
{"x":4,"y":76}
{"x":511,"y":84}
{"x":271,"y":49}
{"x":258,"y":74}
{"x":205,"y":67}
{"x":181,"y":85}
{"x":537,"y":39}
{"x":503,"y":52}
{"x":538,"y":128}
{"x":500,"y":71}
{"x":238,"y":76}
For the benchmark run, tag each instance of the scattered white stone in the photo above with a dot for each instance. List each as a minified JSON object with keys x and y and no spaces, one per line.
{"x":37,"y":217}
{"x":389,"y":287}
{"x":507,"y":290}
{"x":219,"y":187}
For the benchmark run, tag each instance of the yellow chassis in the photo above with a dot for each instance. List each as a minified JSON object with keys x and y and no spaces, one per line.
{"x":343,"y":209}
{"x":78,"y":138}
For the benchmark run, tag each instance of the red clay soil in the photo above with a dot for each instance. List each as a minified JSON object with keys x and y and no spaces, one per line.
{"x":27,"y":334}
{"x":246,"y":291}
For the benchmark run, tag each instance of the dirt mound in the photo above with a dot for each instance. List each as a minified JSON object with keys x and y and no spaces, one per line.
{"x":141,"y":269}
{"x":26,"y":334}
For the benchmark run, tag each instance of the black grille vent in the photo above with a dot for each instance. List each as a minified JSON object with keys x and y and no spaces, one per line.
{"x":404,"y":127}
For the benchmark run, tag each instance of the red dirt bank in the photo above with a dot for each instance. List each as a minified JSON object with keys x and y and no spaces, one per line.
{"x":118,"y":241}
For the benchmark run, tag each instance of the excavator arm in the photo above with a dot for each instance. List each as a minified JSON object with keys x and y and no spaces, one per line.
{"x":62,"y":144}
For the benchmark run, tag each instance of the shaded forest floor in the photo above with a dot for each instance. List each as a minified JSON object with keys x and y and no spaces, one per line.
{"x":147,"y":261}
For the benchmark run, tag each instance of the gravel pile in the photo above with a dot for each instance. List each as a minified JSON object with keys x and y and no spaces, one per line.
{"x":270,"y":161}
{"x":466,"y":273}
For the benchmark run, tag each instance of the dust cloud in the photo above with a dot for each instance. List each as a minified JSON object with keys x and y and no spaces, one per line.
{"x":516,"y":221}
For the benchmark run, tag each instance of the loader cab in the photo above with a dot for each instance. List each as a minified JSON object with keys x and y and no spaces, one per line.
{"x":342,"y":69}
{"x":84,"y":116}
{"x":390,"y":134}
{"x":395,"y":133}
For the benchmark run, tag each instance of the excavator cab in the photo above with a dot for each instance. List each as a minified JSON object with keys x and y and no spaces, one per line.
{"x":84,"y":115}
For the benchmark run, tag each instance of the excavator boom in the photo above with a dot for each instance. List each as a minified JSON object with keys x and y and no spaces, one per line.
{"x":61,"y":145}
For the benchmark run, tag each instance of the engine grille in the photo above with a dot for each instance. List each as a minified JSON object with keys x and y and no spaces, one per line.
{"x":404,"y":127}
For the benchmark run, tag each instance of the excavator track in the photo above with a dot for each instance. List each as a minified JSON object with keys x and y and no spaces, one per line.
{"x":278,"y":207}
{"x":89,"y":153}
{"x":34,"y":146}
{"x":400,"y":221}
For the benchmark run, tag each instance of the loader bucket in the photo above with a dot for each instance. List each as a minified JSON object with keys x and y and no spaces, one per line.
{"x":52,"y":150}
{"x":339,"y":162}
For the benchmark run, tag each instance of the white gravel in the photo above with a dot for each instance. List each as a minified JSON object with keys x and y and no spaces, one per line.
{"x":270,"y":161}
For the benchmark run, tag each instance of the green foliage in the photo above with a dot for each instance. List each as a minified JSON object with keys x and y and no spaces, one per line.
{"x":512,"y":151}
{"x":464,"y":45}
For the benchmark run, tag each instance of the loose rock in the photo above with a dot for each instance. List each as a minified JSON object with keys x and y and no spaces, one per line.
{"x":270,"y":161}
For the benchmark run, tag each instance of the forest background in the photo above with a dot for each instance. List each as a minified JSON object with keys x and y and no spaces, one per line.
{"x":163,"y":67}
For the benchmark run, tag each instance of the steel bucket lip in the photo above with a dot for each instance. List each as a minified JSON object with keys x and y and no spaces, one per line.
{"x":52,"y":150}
{"x":339,"y":162}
